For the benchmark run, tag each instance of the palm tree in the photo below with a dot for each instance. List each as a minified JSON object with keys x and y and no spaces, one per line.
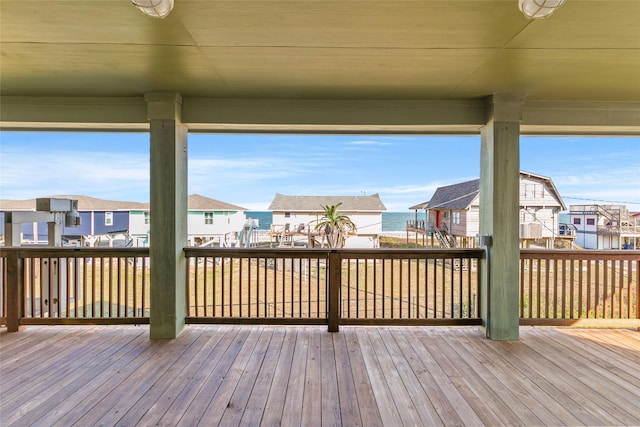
{"x":335,"y":226}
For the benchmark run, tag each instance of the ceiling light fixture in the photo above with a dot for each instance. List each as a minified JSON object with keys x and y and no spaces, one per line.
{"x":154,"y":8}
{"x":538,"y":9}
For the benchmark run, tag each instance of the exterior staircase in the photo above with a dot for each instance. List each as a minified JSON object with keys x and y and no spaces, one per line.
{"x":444,"y":237}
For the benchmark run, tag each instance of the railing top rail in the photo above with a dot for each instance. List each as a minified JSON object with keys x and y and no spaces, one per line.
{"x":579,"y":254}
{"x":323,"y":253}
{"x":257,"y":252}
{"x":48,"y":252}
{"x":402,"y":253}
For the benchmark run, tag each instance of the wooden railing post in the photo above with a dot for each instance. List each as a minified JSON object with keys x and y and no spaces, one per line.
{"x":637,"y":290}
{"x":15,"y":290}
{"x":335,"y":279}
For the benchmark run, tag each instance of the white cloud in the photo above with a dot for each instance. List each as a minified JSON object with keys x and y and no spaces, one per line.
{"x":99,"y":174}
{"x":368,"y":142}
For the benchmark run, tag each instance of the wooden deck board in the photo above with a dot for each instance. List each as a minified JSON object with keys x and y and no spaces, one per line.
{"x":602,"y":356}
{"x":543,"y":405}
{"x":186,"y":381}
{"x":405,"y":406}
{"x":273,"y":375}
{"x":571,"y":390}
{"x":347,"y":391}
{"x":191,"y":399}
{"x":383,"y":394}
{"x":474,"y":365}
{"x":481,"y":405}
{"x":312,"y":393}
{"x":444,"y":396}
{"x":600,"y":382}
{"x":419,"y":399}
{"x":257,"y":401}
{"x":620,"y":384}
{"x":274,"y":406}
{"x":369,"y":412}
{"x":235,"y":376}
{"x":78,"y":369}
{"x":292,"y":411}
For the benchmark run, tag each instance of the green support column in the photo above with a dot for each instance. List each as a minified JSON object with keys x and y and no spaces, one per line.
{"x":168,"y":215}
{"x":499,"y":216}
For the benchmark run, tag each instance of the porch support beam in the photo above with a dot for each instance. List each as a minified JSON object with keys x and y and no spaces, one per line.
{"x":499,"y":216}
{"x":317,"y":115}
{"x":168,"y":232}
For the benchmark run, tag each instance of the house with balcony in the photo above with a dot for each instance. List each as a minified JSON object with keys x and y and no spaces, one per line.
{"x":298,"y":215}
{"x":605,"y":226}
{"x":113,"y":223}
{"x":102,"y":222}
{"x":453,"y":213}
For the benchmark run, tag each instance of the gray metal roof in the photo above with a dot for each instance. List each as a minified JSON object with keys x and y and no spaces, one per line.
{"x":460,"y":196}
{"x":456,"y":196}
{"x":198,"y":202}
{"x":419,"y":206}
{"x":370,"y":203}
{"x":86,"y":203}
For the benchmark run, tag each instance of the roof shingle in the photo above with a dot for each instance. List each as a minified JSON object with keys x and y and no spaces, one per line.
{"x":283,"y":202}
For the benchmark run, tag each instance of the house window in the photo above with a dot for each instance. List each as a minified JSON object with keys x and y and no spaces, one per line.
{"x":446,"y":214}
{"x":146,"y":218}
{"x":576,"y":221}
{"x":591,"y":221}
{"x":208,"y":217}
{"x":108,"y":218}
{"x":456,"y":218}
{"x":531,"y":191}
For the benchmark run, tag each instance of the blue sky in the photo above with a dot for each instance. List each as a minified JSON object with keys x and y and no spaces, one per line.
{"x":248,"y":170}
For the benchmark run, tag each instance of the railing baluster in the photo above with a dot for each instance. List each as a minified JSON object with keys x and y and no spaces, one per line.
{"x":389,"y":287}
{"x":637,"y":270}
{"x":621,"y":269}
{"x":605,"y":288}
{"x":581,"y":302}
{"x":334,"y":278}
{"x":571,"y":289}
{"x":632,"y":294}
{"x":444,"y":288}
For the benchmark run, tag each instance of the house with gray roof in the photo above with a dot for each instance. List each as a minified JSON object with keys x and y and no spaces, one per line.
{"x":302,"y":213}
{"x":125,"y":223}
{"x":453,"y":212}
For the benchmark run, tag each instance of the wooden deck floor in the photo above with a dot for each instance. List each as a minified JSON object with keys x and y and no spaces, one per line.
{"x":305,"y":376}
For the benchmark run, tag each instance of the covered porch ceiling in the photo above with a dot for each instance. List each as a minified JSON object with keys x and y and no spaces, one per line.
{"x":336,"y":66}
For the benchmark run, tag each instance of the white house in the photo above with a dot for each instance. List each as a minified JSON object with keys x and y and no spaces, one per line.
{"x":605,"y":227}
{"x":453,"y":213}
{"x":212,"y":220}
{"x":209,"y":222}
{"x":301,"y":214}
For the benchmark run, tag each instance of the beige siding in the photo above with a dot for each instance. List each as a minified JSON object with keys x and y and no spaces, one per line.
{"x":536,"y":193}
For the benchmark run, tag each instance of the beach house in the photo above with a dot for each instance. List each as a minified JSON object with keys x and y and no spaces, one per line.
{"x":102,"y":222}
{"x":300,"y":214}
{"x":212,"y":221}
{"x":126,"y":224}
{"x":453,"y":212}
{"x":605,"y":226}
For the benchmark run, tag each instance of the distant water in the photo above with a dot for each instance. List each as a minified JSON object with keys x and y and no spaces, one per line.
{"x":397,"y":221}
{"x":391,"y":221}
